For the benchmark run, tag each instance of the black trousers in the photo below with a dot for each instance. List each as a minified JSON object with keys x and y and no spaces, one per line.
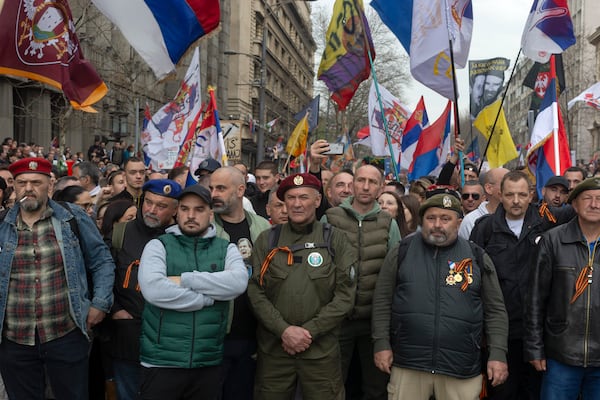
{"x":181,"y":383}
{"x":523,"y":381}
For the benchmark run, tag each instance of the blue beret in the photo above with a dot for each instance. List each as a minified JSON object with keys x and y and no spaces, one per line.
{"x":163,"y":187}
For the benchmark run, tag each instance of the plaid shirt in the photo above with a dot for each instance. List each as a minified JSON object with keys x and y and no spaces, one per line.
{"x":37,"y":291}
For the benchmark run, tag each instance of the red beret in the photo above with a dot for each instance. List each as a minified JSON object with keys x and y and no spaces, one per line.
{"x":296,"y":181}
{"x":32,"y":165}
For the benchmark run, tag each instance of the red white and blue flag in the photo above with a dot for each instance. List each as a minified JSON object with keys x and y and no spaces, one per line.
{"x":424,"y":28}
{"x":162,"y":31}
{"x":433,"y":147}
{"x":548,"y":153}
{"x":412,"y":132}
{"x":548,"y":30}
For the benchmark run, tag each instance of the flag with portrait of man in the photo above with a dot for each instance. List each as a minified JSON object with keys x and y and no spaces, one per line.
{"x":486,"y":79}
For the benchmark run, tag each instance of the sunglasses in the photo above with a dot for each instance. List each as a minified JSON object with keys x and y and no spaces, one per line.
{"x":465,"y":196}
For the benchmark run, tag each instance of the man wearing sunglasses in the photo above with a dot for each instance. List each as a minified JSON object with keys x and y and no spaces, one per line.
{"x":472,"y":196}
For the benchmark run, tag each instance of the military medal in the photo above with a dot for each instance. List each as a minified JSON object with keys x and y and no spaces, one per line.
{"x":451,"y":278}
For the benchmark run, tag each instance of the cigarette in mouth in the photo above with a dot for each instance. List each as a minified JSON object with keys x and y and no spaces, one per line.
{"x":23,"y":199}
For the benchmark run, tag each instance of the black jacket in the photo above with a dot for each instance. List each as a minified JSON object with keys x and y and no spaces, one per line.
{"x":514,"y":257}
{"x":554,"y":328}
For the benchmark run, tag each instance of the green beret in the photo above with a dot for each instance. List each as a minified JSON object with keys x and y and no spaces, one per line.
{"x":588,"y":184}
{"x":444,"y":201}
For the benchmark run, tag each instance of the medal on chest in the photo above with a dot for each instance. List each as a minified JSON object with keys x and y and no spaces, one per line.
{"x":460,"y":273}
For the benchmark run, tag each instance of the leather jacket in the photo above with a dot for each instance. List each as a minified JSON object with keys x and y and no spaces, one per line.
{"x":555,"y":328}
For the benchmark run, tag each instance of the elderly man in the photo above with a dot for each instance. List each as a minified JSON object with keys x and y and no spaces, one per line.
{"x":340,"y":188}
{"x":56,"y":284}
{"x":436,"y":297}
{"x":560,"y":316}
{"x":159,"y":206}
{"x":300,"y":295}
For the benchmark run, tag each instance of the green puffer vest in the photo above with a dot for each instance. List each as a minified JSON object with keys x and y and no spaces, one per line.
{"x":370,"y":239}
{"x":186,"y":339}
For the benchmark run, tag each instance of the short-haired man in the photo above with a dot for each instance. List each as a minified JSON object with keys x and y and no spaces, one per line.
{"x":187,"y":277}
{"x":135,"y":174}
{"x":574,"y":175}
{"x":340,"y":188}
{"x":428,"y":301}
{"x":89,"y":177}
{"x":240,"y":227}
{"x":266,"y":179}
{"x":300,"y":295}
{"x":276,"y":209}
{"x":56,"y":284}
{"x":508,"y":236}
{"x":179,"y":174}
{"x":157,"y":212}
{"x":374,"y":232}
{"x":563,"y":302}
{"x":471,"y":196}
{"x":555,"y":191}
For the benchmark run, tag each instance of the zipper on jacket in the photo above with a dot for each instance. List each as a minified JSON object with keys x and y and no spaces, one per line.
{"x":193,"y":338}
{"x":587,"y":327}
{"x":160,"y":321}
{"x":359,"y":250}
{"x":436,"y":323}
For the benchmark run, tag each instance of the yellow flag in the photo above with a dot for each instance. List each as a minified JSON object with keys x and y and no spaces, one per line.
{"x":502,"y":148}
{"x":297,"y":142}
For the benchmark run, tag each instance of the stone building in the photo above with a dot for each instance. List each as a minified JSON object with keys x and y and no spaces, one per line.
{"x":32,"y":112}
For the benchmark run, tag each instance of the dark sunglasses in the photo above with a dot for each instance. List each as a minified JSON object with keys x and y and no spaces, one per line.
{"x":465,"y":196}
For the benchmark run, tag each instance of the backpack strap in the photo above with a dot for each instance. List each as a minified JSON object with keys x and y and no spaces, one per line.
{"x":118,"y":235}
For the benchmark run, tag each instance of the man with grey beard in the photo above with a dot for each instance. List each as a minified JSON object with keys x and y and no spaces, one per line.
{"x":159,"y":206}
{"x":436,"y":297}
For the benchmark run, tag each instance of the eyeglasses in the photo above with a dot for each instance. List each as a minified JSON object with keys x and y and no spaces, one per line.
{"x":475,"y":196}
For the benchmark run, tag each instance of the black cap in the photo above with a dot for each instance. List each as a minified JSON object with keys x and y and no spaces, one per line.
{"x":557,"y":180}
{"x":210,"y":165}
{"x":199,"y":191}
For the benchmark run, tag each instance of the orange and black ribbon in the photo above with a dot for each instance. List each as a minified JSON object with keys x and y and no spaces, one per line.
{"x":265,"y":265}
{"x":465,"y":267}
{"x":545,"y":212}
{"x":583,"y":281}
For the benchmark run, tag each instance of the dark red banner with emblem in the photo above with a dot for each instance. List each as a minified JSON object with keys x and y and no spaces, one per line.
{"x":39,"y":43}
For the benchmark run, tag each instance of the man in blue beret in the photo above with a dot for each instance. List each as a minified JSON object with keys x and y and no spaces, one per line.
{"x":159,"y":206}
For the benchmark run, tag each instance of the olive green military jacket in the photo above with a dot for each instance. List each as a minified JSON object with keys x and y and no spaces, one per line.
{"x":315,"y":292}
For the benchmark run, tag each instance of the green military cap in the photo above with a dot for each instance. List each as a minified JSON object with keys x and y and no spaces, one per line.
{"x":445,"y":201}
{"x":589,"y":184}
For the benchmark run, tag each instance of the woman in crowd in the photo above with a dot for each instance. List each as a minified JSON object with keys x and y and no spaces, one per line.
{"x":76,"y":195}
{"x":410,"y":205}
{"x":117,"y":211}
{"x":391,"y":202}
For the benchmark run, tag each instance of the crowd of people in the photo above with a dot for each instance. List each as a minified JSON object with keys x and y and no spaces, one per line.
{"x":118,"y":282}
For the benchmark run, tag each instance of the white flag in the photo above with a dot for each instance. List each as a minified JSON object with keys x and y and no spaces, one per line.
{"x":591,"y":96}
{"x":396,"y":115}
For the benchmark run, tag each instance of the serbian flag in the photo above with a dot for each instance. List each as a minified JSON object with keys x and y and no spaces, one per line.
{"x":433,"y":147}
{"x":412,"y":132}
{"x":548,"y":30}
{"x":39,"y":43}
{"x":548,"y":153}
{"x":424,"y":27}
{"x":345,"y":61}
{"x":162,"y":31}
{"x":209,"y":141}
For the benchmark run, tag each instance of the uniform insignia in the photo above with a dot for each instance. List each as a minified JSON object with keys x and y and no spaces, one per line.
{"x":447,"y":202}
{"x":298,"y":180}
{"x":33,"y":165}
{"x":167,"y":189}
{"x":315,"y":259}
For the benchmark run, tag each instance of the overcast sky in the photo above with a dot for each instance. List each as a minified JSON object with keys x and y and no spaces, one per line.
{"x":497,"y":29}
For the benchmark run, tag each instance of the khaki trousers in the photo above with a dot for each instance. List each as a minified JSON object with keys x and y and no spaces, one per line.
{"x":409,"y":384}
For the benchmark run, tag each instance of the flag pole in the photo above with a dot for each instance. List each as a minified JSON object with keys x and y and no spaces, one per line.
{"x":487,"y":146}
{"x":557,"y":167}
{"x":381,"y":109}
{"x":455,"y":91}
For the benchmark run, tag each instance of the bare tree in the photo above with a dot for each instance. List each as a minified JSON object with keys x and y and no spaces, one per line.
{"x":390,"y":67}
